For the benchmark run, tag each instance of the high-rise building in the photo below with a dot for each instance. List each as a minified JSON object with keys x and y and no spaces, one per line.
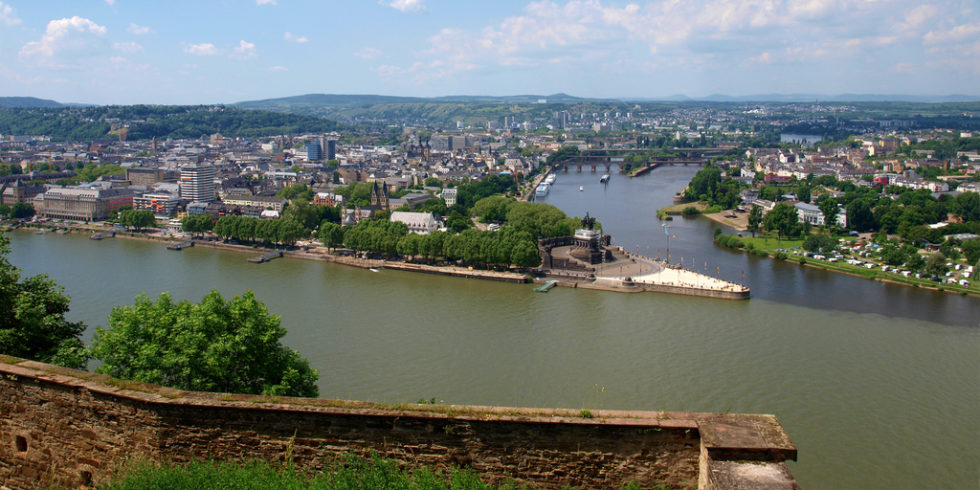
{"x":331,"y":149}
{"x":314,"y":151}
{"x":197,"y":183}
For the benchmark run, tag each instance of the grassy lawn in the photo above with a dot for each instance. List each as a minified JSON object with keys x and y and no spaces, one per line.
{"x":772,"y":246}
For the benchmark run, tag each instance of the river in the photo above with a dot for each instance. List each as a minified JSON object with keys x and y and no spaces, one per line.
{"x":878,"y":385}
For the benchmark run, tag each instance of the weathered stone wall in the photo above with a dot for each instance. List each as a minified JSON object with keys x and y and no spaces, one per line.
{"x":66,"y":427}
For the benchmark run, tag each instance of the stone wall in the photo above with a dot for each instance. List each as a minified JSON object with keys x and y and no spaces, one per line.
{"x":70,"y":428}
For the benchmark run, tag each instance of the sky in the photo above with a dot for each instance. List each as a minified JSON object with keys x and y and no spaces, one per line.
{"x":225,"y":51}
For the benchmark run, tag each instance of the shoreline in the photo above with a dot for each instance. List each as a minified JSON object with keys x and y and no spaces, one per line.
{"x":320,"y":254}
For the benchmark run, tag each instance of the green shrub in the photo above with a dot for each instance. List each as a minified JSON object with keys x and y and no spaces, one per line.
{"x":781,"y":255}
{"x":690,"y":211}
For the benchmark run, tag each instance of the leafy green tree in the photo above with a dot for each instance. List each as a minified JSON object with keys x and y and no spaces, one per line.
{"x":331,"y":234}
{"x":704,"y":183}
{"x":33,"y":324}
{"x":967,"y":206}
{"x":971,"y":249}
{"x":819,"y":243}
{"x":21,"y":210}
{"x":294,"y":191}
{"x":197,"y":223}
{"x":492,"y":209}
{"x":4,"y":210}
{"x":137,"y":218}
{"x":936,"y":265}
{"x":215,"y":345}
{"x":433,"y":182}
{"x":859,"y":215}
{"x":783,"y":219}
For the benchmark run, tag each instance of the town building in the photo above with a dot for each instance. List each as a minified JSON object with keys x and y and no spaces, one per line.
{"x":197,"y":183}
{"x":83,"y":203}
{"x":162,"y":204}
{"x":419,"y":223}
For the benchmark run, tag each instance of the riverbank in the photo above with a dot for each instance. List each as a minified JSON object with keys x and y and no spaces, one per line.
{"x":791,"y":251}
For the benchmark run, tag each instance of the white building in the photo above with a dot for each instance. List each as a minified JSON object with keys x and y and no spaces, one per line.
{"x":197,"y":182}
{"x":449,"y":195}
{"x":808,"y":213}
{"x":420,"y":223}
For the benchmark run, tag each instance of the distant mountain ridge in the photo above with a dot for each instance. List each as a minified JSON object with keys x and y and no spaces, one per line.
{"x":26,"y":102}
{"x":321,"y":100}
{"x":370,"y":99}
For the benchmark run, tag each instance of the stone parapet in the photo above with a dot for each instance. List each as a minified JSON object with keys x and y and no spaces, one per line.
{"x":63,"y":427}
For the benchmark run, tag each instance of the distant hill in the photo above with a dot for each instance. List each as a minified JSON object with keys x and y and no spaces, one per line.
{"x":24,"y":102}
{"x":145,"y":122}
{"x":789,"y":98}
{"x":358,"y":100}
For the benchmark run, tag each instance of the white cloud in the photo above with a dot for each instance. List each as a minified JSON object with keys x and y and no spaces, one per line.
{"x":65,"y":41}
{"x":763,"y":58}
{"x":405,"y":5}
{"x":368,"y":53}
{"x":137,"y":30}
{"x":959,"y":33}
{"x":296,"y":39}
{"x":128,"y":48}
{"x":245,"y":50}
{"x":203,"y":49}
{"x":110,"y":2}
{"x":277,"y":68}
{"x":8,"y":16}
{"x":265,"y":2}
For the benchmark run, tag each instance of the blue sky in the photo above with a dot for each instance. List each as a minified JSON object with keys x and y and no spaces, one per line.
{"x":221,"y":51}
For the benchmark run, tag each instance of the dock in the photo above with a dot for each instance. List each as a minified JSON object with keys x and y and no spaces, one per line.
{"x":544,"y":288}
{"x":181,"y":245}
{"x":267,"y":257}
{"x":106,"y":234}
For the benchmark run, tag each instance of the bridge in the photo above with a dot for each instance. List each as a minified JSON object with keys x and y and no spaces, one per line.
{"x":607,"y":162}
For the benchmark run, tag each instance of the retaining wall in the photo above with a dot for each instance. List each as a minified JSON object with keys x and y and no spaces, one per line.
{"x":66,"y":427}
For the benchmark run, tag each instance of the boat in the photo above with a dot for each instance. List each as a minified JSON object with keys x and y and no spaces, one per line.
{"x":373,"y":269}
{"x":604,"y":179}
{"x":550,"y":179}
{"x":545,"y":287}
{"x":542,"y":190}
{"x":581,"y":188}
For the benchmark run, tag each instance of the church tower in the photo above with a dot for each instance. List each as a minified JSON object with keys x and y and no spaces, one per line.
{"x":379,"y":195}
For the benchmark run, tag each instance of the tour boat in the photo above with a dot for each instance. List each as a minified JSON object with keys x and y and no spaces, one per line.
{"x":580,"y":188}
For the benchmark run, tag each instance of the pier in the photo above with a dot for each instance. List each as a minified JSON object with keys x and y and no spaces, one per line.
{"x":267,"y":257}
{"x":181,"y":245}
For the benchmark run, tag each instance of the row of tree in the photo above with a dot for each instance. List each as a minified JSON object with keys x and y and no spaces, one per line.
{"x":282,"y":231}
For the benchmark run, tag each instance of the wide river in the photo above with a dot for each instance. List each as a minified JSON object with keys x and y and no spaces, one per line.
{"x":878,"y":385}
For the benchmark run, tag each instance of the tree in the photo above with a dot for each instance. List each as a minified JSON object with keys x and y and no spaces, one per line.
{"x":755,"y":219}
{"x":33,"y":324}
{"x":213,"y":345}
{"x":4,"y":210}
{"x":859,"y":216}
{"x":784,"y":219}
{"x":137,"y":218}
{"x":197,"y":223}
{"x":819,"y":243}
{"x":936,"y":264}
{"x":21,"y":210}
{"x":331,"y":234}
{"x":971,"y":249}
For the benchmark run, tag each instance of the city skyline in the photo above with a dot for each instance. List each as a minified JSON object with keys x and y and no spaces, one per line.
{"x":124,"y":52}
